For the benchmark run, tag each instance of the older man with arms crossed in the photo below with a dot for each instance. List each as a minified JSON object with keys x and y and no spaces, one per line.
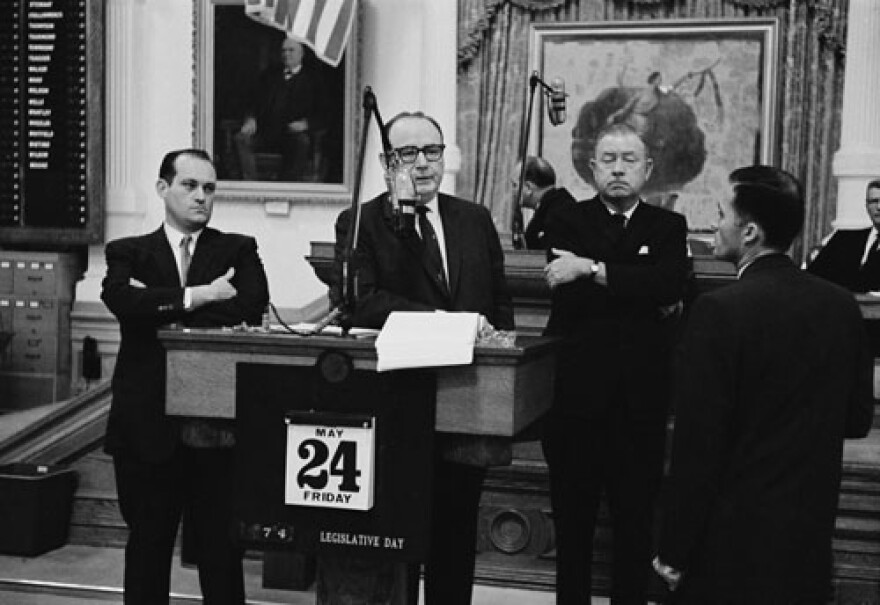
{"x":774,"y":373}
{"x":618,"y":273}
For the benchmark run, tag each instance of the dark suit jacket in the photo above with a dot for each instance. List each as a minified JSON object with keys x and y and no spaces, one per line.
{"x":617,"y":334}
{"x":553,"y":200}
{"x":774,"y":371}
{"x":393,"y":277}
{"x":137,"y":422}
{"x":840,"y":259}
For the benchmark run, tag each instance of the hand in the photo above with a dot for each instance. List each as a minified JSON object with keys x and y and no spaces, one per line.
{"x":668,"y":574}
{"x":219,"y":289}
{"x":566,"y":267}
{"x":249,"y":127}
{"x":673,"y":309}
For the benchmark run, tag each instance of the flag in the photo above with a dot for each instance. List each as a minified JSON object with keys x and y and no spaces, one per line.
{"x":322,"y":25}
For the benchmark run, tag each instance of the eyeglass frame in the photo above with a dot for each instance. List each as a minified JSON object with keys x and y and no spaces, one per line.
{"x":425,"y":150}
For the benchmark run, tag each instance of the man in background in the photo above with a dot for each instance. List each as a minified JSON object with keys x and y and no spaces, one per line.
{"x":452,"y":262}
{"x":188,"y":274}
{"x":851,"y":258}
{"x":540,"y":195}
{"x":774,"y":372}
{"x":284,"y":116}
{"x":617,"y":276}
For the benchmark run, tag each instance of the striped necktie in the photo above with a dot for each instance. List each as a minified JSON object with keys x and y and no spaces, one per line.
{"x":185,"y":258}
{"x":431,"y":248}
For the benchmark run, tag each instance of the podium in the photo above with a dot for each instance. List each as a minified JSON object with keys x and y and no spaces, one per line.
{"x":333,"y":457}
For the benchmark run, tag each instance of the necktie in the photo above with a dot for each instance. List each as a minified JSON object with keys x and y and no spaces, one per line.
{"x":431,"y":248}
{"x":618,"y":226}
{"x":185,"y":258}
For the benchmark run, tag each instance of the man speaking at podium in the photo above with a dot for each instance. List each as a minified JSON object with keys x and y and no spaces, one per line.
{"x":189,"y":274}
{"x":398,"y":269}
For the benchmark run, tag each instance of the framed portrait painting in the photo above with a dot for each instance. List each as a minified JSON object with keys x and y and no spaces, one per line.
{"x":278,"y":121}
{"x":702,"y":94}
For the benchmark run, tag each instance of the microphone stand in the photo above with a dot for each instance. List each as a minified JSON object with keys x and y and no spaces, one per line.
{"x":518,"y":236}
{"x":343,"y":313}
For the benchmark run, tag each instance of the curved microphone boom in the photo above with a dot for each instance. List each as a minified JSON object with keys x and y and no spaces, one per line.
{"x":555,"y":99}
{"x":343,"y":313}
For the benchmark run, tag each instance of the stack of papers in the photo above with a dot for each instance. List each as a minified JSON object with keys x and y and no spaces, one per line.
{"x":423,"y":340}
{"x":305,"y":328}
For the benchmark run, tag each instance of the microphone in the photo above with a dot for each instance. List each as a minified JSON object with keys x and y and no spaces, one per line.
{"x":556,"y":102}
{"x":403,"y":198}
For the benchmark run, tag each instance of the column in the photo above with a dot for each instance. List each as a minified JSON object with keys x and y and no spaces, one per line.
{"x":439,"y":85}
{"x":858,"y":159}
{"x":123,"y":212}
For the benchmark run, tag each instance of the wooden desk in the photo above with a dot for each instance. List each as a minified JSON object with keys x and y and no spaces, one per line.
{"x":499,"y":395}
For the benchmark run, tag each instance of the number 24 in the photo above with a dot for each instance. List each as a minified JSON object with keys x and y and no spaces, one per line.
{"x":344,"y":464}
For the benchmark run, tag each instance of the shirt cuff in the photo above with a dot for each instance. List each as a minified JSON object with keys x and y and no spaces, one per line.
{"x":187,"y":299}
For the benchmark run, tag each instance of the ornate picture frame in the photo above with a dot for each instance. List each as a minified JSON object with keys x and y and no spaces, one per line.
{"x":703,"y":95}
{"x":234,"y":58}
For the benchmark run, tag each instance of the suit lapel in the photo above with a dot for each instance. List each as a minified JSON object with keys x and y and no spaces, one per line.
{"x":639,"y":224}
{"x":598,"y":215}
{"x":165,"y":261}
{"x":199,"y":269}
{"x":409,"y":241}
{"x":454,"y":254}
{"x":413,"y":244}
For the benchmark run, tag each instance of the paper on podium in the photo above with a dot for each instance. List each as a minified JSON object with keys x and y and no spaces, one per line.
{"x":422,"y":340}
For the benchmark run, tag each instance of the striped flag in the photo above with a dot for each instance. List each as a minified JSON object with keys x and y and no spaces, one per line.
{"x":322,"y":25}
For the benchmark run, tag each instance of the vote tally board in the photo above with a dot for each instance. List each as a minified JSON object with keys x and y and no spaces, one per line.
{"x":330,"y":460}
{"x":338,"y":465}
{"x":51,"y":120}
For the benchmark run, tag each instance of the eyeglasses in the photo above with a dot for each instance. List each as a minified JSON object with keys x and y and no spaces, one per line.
{"x":410,"y":153}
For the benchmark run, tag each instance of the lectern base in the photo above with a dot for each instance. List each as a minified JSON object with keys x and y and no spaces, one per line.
{"x":345,"y":580}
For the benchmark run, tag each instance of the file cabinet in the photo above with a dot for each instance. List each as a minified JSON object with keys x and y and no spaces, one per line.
{"x":36,"y":292}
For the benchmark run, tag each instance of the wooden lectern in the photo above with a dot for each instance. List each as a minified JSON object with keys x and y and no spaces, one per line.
{"x":364,"y":497}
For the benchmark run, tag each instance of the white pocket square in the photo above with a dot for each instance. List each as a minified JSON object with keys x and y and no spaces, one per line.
{"x":644,"y":250}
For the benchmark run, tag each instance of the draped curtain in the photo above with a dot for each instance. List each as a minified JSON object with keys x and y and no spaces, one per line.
{"x":493,"y":71}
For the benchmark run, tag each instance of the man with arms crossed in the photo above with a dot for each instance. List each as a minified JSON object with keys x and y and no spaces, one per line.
{"x":617,"y":276}
{"x":189,"y":274}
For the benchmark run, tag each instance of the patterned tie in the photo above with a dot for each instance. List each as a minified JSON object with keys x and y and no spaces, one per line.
{"x":431,"y":248}
{"x":185,"y":258}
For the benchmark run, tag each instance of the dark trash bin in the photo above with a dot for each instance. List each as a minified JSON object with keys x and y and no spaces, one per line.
{"x":35,"y":506}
